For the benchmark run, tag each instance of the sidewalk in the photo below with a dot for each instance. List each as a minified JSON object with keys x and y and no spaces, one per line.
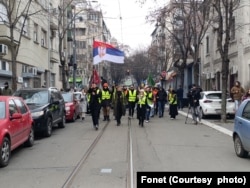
{"x":226,"y":128}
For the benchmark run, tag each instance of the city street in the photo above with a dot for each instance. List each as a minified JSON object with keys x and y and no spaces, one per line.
{"x":80,"y":156}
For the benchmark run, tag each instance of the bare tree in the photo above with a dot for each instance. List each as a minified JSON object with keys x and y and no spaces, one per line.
{"x":186,"y":23}
{"x":225,"y":18}
{"x":17,"y":13}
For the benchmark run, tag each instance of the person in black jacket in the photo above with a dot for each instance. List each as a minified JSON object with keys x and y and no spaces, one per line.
{"x":161,"y":98}
{"x":95,"y":104}
{"x":194,"y":96}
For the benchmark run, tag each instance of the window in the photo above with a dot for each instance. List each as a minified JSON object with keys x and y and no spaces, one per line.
{"x":24,"y":23}
{"x":35,"y":33}
{"x":3,"y":14}
{"x":207,"y":44}
{"x":43,"y":38}
{"x":232,"y":29}
{"x":52,"y":81}
{"x":4,"y":65}
{"x":21,"y":106}
{"x":246,"y":111}
{"x":12,"y":107}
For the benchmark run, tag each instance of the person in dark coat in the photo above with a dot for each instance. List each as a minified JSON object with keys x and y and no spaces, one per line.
{"x":161,"y":97}
{"x":194,"y":96}
{"x":95,"y":104}
{"x":119,"y":104}
{"x":179,"y":94}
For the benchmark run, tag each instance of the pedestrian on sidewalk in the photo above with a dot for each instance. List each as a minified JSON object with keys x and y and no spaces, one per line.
{"x":83,"y":105}
{"x":237,"y":92}
{"x":179,"y":94}
{"x":194,"y":96}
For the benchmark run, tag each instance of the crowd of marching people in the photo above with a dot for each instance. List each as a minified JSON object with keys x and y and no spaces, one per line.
{"x":144,"y":102}
{"x":141,"y":103}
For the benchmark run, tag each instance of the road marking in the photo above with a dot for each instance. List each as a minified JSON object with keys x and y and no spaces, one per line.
{"x":106,"y":170}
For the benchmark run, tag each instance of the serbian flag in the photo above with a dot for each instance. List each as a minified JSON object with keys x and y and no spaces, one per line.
{"x":103,"y":51}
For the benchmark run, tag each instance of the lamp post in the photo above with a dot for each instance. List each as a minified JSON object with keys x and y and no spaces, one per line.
{"x":74,"y":50}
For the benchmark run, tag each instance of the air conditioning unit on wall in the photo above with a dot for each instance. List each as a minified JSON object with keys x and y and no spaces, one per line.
{"x":3,"y":49}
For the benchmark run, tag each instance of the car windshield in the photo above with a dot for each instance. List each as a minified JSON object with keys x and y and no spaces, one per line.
{"x":67,"y":97}
{"x":2,"y":109}
{"x":34,"y":97}
{"x":216,"y":96}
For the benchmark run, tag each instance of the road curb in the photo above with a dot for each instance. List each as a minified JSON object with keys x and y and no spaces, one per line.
{"x":209,"y":124}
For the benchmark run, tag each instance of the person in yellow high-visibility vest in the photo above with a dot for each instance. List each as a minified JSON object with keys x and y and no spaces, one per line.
{"x":132,"y":99}
{"x":141,"y":106}
{"x":150,"y":103}
{"x":173,"y":111}
{"x":106,"y":102}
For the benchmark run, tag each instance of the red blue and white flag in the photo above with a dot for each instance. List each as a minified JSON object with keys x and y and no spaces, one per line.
{"x":103,"y":51}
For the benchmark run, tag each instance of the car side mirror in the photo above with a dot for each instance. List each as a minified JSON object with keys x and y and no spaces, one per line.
{"x":16,"y":116}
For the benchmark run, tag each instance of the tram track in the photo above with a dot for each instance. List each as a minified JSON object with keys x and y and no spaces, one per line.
{"x":79,"y":165}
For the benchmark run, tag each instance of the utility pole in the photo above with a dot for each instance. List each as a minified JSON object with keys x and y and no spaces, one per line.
{"x":74,"y":51}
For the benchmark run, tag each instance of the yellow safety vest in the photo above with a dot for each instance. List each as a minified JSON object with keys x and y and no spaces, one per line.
{"x":142,"y":101}
{"x":105,"y":95}
{"x":173,"y":99}
{"x":131,"y":96}
{"x":150,"y":101}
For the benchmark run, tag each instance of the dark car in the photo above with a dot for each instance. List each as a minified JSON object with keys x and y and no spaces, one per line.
{"x":47,"y":108}
{"x":241,"y":133}
{"x":16,"y":126}
{"x":71,"y":106}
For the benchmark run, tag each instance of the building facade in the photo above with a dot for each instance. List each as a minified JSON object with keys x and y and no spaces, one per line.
{"x":37,"y":62}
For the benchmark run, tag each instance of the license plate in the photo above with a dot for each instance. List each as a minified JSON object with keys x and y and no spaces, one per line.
{"x":218,"y":111}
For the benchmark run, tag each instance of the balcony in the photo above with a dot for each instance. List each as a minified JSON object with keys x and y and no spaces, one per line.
{"x":5,"y":35}
{"x":54,"y":56}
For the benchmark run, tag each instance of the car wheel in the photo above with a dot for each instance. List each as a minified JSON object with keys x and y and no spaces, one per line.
{"x":238,"y":147}
{"x":48,"y":130}
{"x":31,"y":139}
{"x":5,"y":152}
{"x":202,"y":115}
{"x":62,"y":123}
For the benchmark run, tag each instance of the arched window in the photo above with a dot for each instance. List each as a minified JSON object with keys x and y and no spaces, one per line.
{"x":3,"y":14}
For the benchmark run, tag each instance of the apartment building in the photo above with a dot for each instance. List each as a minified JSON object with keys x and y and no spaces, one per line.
{"x":239,"y":52}
{"x":37,"y":62}
{"x":88,"y":25}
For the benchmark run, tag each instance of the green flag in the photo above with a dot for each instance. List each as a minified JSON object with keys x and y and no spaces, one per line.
{"x":150,"y":80}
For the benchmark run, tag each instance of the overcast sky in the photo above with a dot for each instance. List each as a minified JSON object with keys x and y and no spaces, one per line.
{"x":132,"y":29}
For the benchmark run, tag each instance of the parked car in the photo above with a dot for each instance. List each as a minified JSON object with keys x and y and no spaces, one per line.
{"x":72,"y":107}
{"x":47,"y":108}
{"x":241,"y":133}
{"x":210,"y":104}
{"x":16,"y":126}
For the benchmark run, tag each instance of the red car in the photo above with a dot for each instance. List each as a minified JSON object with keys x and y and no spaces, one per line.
{"x":71,"y":106}
{"x":16,"y":126}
